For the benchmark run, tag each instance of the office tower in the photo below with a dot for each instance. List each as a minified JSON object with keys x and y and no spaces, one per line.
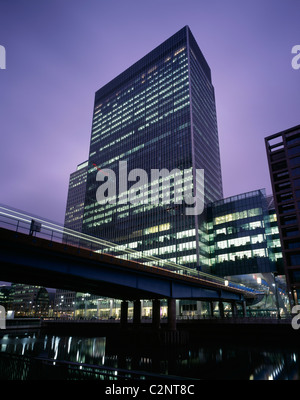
{"x":5,"y":296}
{"x":76,"y":196}
{"x":29,"y":300}
{"x":158,"y":114}
{"x":283,"y":152}
{"x":273,"y":236}
{"x":65,"y":299}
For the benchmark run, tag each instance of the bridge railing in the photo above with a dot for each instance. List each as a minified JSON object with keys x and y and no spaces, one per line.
{"x":33,"y":225}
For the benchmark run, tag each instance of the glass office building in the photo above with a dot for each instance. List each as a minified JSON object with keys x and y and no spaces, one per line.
{"x":283,"y":153}
{"x":29,"y":300}
{"x":245,"y":247}
{"x":65,"y":299}
{"x":159,"y":115}
{"x":76,"y":197}
{"x":238,"y":227}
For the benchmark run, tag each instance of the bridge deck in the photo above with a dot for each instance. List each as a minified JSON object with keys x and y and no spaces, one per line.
{"x":32,"y":259}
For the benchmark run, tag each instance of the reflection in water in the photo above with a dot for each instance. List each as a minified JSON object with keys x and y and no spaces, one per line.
{"x":82,"y":350}
{"x":209,"y":361}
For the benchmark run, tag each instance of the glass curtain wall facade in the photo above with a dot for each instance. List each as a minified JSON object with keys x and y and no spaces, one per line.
{"x":76,"y":197}
{"x":65,"y":299}
{"x":273,"y":237}
{"x":158,"y":114}
{"x":283,"y":152}
{"x":238,"y":228}
{"x":245,"y":247}
{"x":28,"y":300}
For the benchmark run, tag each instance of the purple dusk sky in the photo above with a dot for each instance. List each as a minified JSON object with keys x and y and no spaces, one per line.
{"x":60,"y":52}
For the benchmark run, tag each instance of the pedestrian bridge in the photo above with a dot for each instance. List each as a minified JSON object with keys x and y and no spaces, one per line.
{"x":40,"y":252}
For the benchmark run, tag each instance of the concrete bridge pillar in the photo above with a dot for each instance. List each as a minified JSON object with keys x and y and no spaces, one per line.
{"x":211,"y":308}
{"x":172,"y":314}
{"x":199,"y":308}
{"x":124,"y":312}
{"x":234,"y":309}
{"x":111,"y":305}
{"x":156,"y":313}
{"x":137,"y":311}
{"x":221,"y":309}
{"x":244,"y":309}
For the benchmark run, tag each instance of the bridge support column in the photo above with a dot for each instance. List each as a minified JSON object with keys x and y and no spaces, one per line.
{"x":137,"y":311}
{"x":199,"y":308}
{"x":124,"y":312}
{"x":244,"y":309}
{"x":111,"y":304}
{"x":172,"y":314}
{"x":156,"y":314}
{"x":221,"y":309}
{"x":211,"y":308}
{"x":234,"y":309}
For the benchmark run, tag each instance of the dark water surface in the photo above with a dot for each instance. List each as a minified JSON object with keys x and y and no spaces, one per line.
{"x":202,"y":361}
